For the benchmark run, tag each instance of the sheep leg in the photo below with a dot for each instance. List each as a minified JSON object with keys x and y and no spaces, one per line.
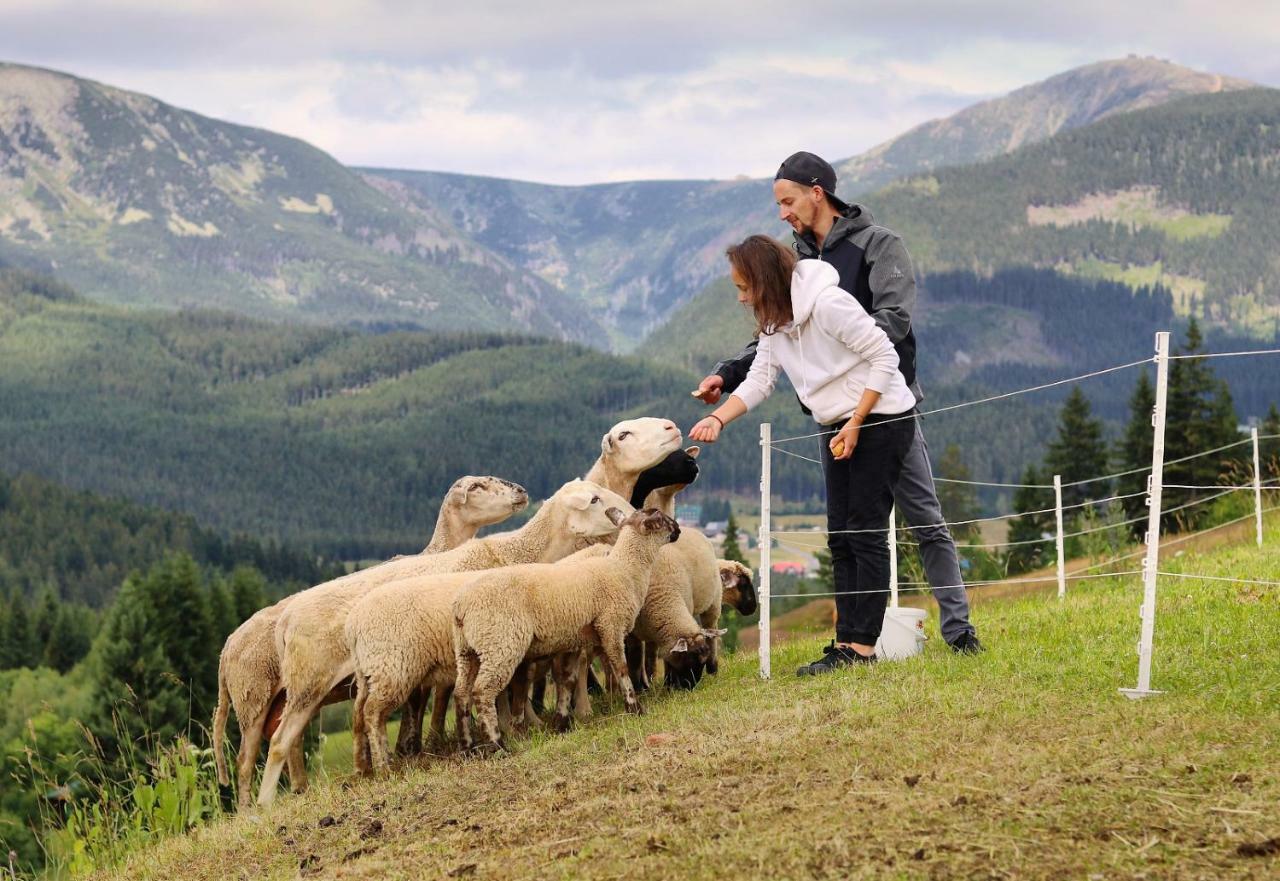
{"x":490,"y":685}
{"x":439,"y":709}
{"x":564,"y":668}
{"x":581,"y":698}
{"x":538,"y":695}
{"x":611,"y":644}
{"x":360,"y":749}
{"x":409,"y":740}
{"x":710,"y":619}
{"x":377,"y":708}
{"x":297,"y":765}
{"x":468,"y":669}
{"x":635,"y":663}
{"x":519,"y":699}
{"x":247,"y":760}
{"x":297,"y":715}
{"x":502,"y":706}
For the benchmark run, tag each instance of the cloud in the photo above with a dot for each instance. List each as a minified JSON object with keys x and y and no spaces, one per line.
{"x":573,"y":92}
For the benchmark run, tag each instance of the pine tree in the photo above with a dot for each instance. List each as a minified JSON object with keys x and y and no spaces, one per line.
{"x":248,"y":592}
{"x":135,"y":696}
{"x":1078,"y":452}
{"x":19,"y":642}
{"x":183,"y":627}
{"x":1269,"y":444}
{"x":730,"y":549}
{"x":71,"y":638}
{"x":958,"y":501}
{"x":1133,"y":452}
{"x":222,"y":610}
{"x":1200,"y":417}
{"x":1031,"y":527}
{"x":46,"y":617}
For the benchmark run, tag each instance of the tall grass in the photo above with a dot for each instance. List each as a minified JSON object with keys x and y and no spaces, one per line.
{"x":97,"y":809}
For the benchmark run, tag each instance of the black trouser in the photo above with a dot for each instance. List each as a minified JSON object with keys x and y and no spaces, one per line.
{"x":859,"y":498}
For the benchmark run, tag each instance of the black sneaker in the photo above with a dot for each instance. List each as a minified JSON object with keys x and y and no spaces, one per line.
{"x":834,"y":658}
{"x":967,"y":644}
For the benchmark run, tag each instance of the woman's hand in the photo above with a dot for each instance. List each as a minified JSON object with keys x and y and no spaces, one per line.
{"x":845,"y":440}
{"x":707,"y":430}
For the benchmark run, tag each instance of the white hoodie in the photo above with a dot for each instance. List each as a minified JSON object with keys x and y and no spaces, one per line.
{"x":831,"y":350}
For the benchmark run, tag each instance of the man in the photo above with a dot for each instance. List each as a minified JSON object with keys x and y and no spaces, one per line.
{"x":874,"y":267}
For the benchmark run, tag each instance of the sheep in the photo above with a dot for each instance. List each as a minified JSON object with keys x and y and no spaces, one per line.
{"x":630,"y":448}
{"x":400,"y":636}
{"x":471,"y":503}
{"x":528,"y":612}
{"x":310,"y":635}
{"x":249,"y":668}
{"x":401,"y":639}
{"x":739,"y":591}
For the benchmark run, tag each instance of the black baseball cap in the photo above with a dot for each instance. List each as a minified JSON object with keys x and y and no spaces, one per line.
{"x":808,"y":170}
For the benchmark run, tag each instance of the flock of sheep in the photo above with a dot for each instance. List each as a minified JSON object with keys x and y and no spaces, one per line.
{"x":490,"y":619}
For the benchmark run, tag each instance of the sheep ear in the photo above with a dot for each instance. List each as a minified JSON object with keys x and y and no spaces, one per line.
{"x":712,"y":633}
{"x":728,"y":577}
{"x":606,"y":443}
{"x":682,"y":645}
{"x":615,"y":516}
{"x":693,"y":451}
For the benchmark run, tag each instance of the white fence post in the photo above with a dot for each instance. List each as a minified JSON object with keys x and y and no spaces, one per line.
{"x":1155,"y":487}
{"x":1062,"y":558}
{"x":893,"y":557}
{"x":1257,"y":486}
{"x":765,"y":543}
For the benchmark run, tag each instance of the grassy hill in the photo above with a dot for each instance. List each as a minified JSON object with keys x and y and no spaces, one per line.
{"x":1022,"y":762}
{"x":134,"y":201}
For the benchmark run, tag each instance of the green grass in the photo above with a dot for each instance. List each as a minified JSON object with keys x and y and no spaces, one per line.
{"x":1023,"y":762}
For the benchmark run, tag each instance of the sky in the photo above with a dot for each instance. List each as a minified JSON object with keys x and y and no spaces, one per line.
{"x":584,"y":92}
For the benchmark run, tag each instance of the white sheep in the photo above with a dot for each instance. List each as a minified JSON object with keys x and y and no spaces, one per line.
{"x":630,"y":448}
{"x":627,"y":451}
{"x":310,"y":636}
{"x":249,"y":668}
{"x":524,"y":613}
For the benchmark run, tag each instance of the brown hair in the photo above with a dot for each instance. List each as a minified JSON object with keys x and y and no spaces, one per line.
{"x":766,"y":267}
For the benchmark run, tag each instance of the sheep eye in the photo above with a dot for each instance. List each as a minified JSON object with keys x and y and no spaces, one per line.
{"x":623,"y":435}
{"x":595,"y":500}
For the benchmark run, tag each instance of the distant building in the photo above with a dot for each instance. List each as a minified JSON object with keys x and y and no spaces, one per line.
{"x":788,"y":567}
{"x":690,"y":514}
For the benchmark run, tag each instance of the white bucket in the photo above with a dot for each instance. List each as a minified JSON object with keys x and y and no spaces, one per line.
{"x":902,"y":634}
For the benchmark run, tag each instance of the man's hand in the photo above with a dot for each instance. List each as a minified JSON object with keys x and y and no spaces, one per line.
{"x":707,"y":430}
{"x":709,"y":389}
{"x":845,"y":440}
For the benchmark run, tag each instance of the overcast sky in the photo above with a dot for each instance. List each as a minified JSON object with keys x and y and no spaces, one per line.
{"x":578,"y":92}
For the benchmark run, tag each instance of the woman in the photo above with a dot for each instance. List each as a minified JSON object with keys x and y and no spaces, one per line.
{"x":845,"y":371}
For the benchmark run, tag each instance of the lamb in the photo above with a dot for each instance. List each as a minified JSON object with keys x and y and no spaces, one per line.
{"x":310,"y":635}
{"x":528,"y":612}
{"x":249,"y":668}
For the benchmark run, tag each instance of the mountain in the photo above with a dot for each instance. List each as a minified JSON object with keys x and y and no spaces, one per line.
{"x":636,"y":251}
{"x":1075,"y":98}
{"x":1183,"y":194}
{"x":134,"y":201}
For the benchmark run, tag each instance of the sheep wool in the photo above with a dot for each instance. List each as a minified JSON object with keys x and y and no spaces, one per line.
{"x":529,"y":612}
{"x":310,"y":635}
